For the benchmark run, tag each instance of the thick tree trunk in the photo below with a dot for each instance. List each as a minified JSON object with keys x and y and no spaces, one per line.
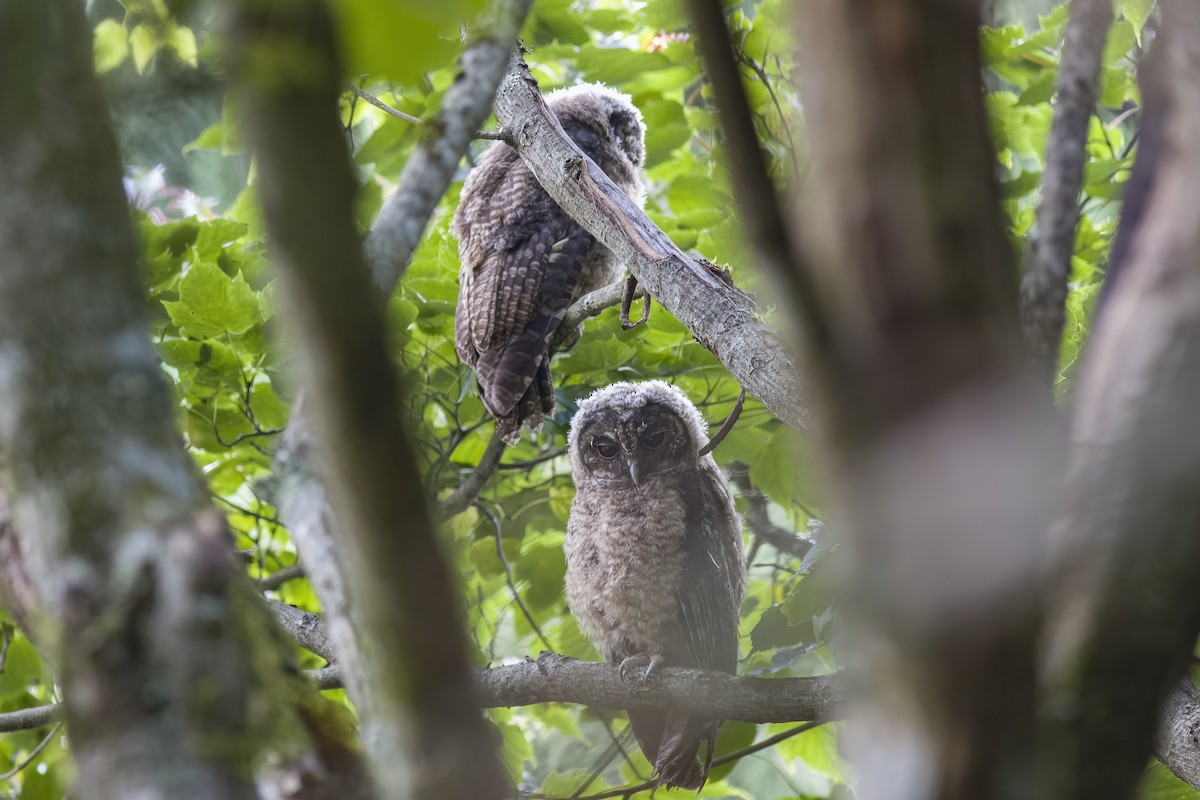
{"x":303,"y":502}
{"x":934,"y":429}
{"x":114,"y":557}
{"x":1127,"y":612}
{"x":422,"y":723}
{"x":131,"y":561}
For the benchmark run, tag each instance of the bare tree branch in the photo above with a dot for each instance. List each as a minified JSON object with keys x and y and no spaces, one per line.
{"x":280,"y":577}
{"x":721,"y":318}
{"x":758,"y":520}
{"x":431,"y":167}
{"x":555,"y":678}
{"x":590,"y":305}
{"x":1177,"y":740}
{"x":398,"y":114}
{"x":30,"y":718}
{"x":462,"y":497}
{"x":421,"y":719}
{"x":303,"y":503}
{"x":1047,"y":263}
{"x":761,"y":210}
{"x":304,"y":627}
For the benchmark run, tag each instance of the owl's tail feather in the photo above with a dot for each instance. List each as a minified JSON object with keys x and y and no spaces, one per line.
{"x":671,"y":742}
{"x":538,"y":401}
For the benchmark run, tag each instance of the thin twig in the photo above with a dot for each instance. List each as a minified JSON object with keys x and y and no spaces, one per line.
{"x":280,"y":577}
{"x":759,"y":520}
{"x":628,"y":791}
{"x":495,"y":136}
{"x":473,"y":484}
{"x":533,"y":462}
{"x":6,"y":633}
{"x":37,"y":751}
{"x":726,"y":426}
{"x":512,"y":586}
{"x":758,"y":70}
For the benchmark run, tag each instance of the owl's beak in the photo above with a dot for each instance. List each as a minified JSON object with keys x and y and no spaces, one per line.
{"x":634,"y":473}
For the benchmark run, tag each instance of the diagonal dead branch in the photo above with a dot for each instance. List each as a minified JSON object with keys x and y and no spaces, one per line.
{"x":719,"y":316}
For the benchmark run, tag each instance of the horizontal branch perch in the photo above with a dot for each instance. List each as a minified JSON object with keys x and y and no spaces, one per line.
{"x":555,"y":678}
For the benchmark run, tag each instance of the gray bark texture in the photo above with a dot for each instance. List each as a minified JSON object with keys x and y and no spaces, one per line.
{"x":1126,"y":613}
{"x":1047,"y":263}
{"x":934,"y":428}
{"x":114,"y":558}
{"x":303,"y":502}
{"x":1177,"y":741}
{"x":130,"y":560}
{"x":422,"y":722}
{"x":722,"y":318}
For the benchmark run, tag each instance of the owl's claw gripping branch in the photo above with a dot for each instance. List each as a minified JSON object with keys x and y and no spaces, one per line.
{"x":635,"y":662}
{"x":631,"y":285}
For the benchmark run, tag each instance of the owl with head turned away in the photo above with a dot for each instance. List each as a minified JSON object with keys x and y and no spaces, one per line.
{"x":655,"y":568}
{"x":524,"y":261}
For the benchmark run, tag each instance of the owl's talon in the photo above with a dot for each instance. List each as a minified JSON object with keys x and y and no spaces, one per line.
{"x":628,"y":665}
{"x":627,"y":305}
{"x":636,"y":662}
{"x":655,"y":662}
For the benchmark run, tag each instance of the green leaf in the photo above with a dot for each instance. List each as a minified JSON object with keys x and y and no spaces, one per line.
{"x":210,"y":303}
{"x":564,"y":783}
{"x":515,"y":750}
{"x":1121,"y":39}
{"x":1137,"y":12}
{"x":732,"y":736}
{"x":775,"y":630}
{"x":110,"y":45}
{"x":401,"y":40}
{"x":1159,"y":783}
{"x":141,"y":44}
{"x":183,"y":42}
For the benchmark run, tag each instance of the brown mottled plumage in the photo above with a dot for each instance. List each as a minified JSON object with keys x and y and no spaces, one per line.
{"x":524,"y":260}
{"x":655,"y":569}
